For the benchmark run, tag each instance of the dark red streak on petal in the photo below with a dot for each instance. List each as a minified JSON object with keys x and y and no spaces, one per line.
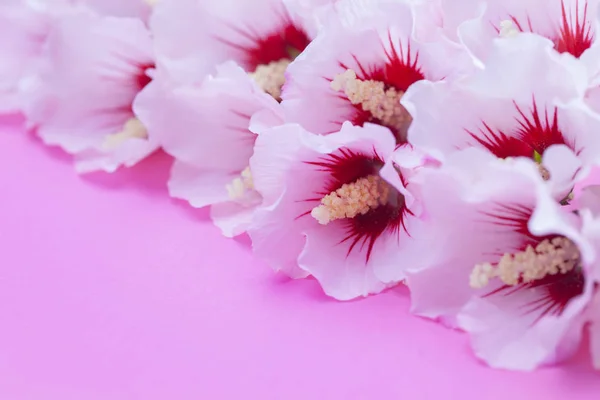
{"x":402,"y":68}
{"x":575,"y":36}
{"x":137,"y":81}
{"x":553,"y":293}
{"x":513,"y":218}
{"x":558,"y":291}
{"x":142,"y":79}
{"x":535,"y":133}
{"x":277,"y":46}
{"x":284,"y":43}
{"x":347,"y":166}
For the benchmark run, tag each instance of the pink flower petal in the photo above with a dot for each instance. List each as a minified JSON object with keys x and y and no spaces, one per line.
{"x":205,"y":124}
{"x":95,"y":66}
{"x":206,"y":127}
{"x":23,"y":29}
{"x":208,"y":33}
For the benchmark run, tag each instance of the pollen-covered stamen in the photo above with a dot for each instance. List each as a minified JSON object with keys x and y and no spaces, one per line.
{"x":241,"y":185}
{"x":151,"y":3}
{"x":373,"y":96}
{"x":508,"y":29}
{"x":133,"y":128}
{"x":558,"y":255}
{"x":352,"y":199}
{"x":271,"y":77}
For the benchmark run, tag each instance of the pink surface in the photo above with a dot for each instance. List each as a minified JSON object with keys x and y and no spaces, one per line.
{"x":111,"y":290}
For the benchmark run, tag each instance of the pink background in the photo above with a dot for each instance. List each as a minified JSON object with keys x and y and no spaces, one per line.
{"x":111,"y":290}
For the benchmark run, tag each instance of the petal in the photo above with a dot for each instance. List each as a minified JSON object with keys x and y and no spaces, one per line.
{"x":94,"y":68}
{"x":23,"y":29}
{"x":343,"y":276}
{"x":590,"y":199}
{"x":504,"y":336}
{"x":208,"y":33}
{"x":127,"y":154}
{"x":452,"y":15}
{"x":199,"y":187}
{"x":276,"y":231}
{"x":232,"y":218}
{"x":564,"y":167}
{"x":122,"y":8}
{"x":594,"y":330}
{"x":207,"y":124}
{"x":314,"y":13}
{"x":206,"y":127}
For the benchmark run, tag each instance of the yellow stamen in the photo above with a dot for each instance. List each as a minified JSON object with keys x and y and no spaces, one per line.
{"x":549,"y":257}
{"x":383,"y":104}
{"x":352,"y":199}
{"x":241,"y":185}
{"x":133,"y":128}
{"x":271,"y":77}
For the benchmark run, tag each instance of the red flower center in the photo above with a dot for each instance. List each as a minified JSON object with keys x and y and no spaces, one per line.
{"x":556,"y":291}
{"x":533,"y":134}
{"x":285,"y":43}
{"x":347,"y":167}
{"x":574,"y":34}
{"x":142,"y":79}
{"x":400,"y":70}
{"x":553,"y":291}
{"x":266,"y":56}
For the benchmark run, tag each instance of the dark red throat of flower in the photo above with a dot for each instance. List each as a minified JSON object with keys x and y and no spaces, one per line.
{"x":575,"y":34}
{"x":142,"y":79}
{"x":286,"y":42}
{"x":400,"y":71}
{"x":534,"y":133}
{"x":345,"y":167}
{"x":558,"y":290}
{"x":553,"y":292}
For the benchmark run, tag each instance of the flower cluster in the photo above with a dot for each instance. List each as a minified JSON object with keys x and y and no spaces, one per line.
{"x":446,"y":146}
